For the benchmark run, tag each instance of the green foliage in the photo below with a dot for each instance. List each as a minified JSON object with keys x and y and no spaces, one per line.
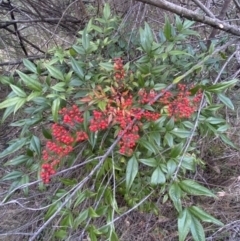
{"x":165,"y":152}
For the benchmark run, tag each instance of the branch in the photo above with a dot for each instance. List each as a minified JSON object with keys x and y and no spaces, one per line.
{"x":205,"y":9}
{"x":20,"y":61}
{"x":191,"y":15}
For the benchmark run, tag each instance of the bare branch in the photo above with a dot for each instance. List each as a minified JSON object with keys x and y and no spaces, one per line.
{"x":206,"y":10}
{"x":189,"y":14}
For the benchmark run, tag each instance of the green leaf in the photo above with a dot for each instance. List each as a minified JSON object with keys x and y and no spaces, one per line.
{"x":226,"y":101}
{"x":9,"y":102}
{"x":92,"y":213}
{"x":80,"y":218}
{"x":148,"y":145}
{"x":170,"y":124}
{"x":59,"y":86}
{"x":175,"y":194}
{"x":55,"y":109}
{"x":215,"y":120}
{"x":113,"y":236}
{"x":25,"y":180}
{"x":29,"y":65}
{"x":54,"y":72}
{"x":35,"y":145}
{"x":19,"y":92}
{"x":197,"y":230}
{"x":47,"y":134}
{"x":184,"y":223}
{"x":171,"y":167}
{"x":13,"y":147}
{"x":179,"y":78}
{"x":19,"y":104}
{"x":67,"y":221}
{"x":30,"y":82}
{"x":12,"y":175}
{"x":17,"y":160}
{"x":106,"y":11}
{"x":85,"y":39}
{"x":179,"y":52}
{"x":203,"y":216}
{"x":194,"y":188}
{"x":61,"y":233}
{"x":179,"y":23}
{"x":77,"y":68}
{"x":181,"y":133}
{"x":151,"y":162}
{"x":52,"y":209}
{"x":217,"y":88}
{"x":108,"y":66}
{"x":158,"y":177}
{"x":168,"y":138}
{"x":167,"y":29}
{"x":131,"y":172}
{"x":226,"y":140}
{"x":176,"y":150}
{"x":146,"y":38}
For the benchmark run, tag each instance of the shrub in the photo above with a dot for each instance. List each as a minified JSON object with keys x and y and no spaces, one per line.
{"x":129,"y":125}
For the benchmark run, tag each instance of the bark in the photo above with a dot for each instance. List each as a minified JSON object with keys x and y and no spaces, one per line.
{"x":191,"y":15}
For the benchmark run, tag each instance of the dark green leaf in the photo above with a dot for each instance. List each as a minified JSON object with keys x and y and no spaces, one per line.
{"x":55,"y":109}
{"x":175,"y":194}
{"x":197,"y":230}
{"x":106,"y":11}
{"x":54,"y":72}
{"x":184,"y":223}
{"x":17,"y":160}
{"x":131,"y":172}
{"x":226,"y":101}
{"x":30,"y":82}
{"x":80,"y":218}
{"x":10,"y":102}
{"x":181,"y":133}
{"x":29,"y":65}
{"x":47,"y":134}
{"x":19,"y":92}
{"x":217,"y":88}
{"x":158,"y":177}
{"x":203,"y":216}
{"x":85,"y":39}
{"x":13,"y":147}
{"x":52,"y":209}
{"x":194,"y":188}
{"x":77,"y":68}
{"x":107,"y":66}
{"x":35,"y":145}
{"x":151,"y":162}
{"x":168,"y":138}
{"x":167,"y":29}
{"x":12,"y":175}
{"x":176,"y":150}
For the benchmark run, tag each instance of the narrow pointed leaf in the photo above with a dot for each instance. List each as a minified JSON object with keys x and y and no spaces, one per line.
{"x":30,"y":82}
{"x":194,"y":188}
{"x":184,"y":222}
{"x":131,"y":172}
{"x":197,"y":230}
{"x":203,"y":216}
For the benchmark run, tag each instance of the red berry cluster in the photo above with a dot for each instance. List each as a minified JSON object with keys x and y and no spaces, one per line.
{"x":118,"y":67}
{"x":99,"y":121}
{"x":181,"y":105}
{"x":71,"y":116}
{"x":64,"y":138}
{"x":146,"y":98}
{"x":121,"y":112}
